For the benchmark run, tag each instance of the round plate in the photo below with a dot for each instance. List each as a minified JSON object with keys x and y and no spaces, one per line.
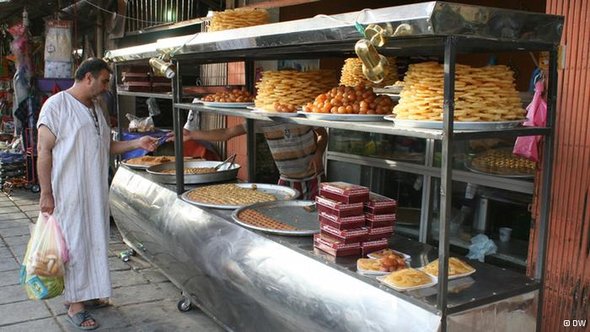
{"x":140,"y":166}
{"x":224,"y":173}
{"x":223,"y":105}
{"x":280,"y":192}
{"x":293,"y":213}
{"x":458,"y":125}
{"x":272,"y":114}
{"x":342,"y":117}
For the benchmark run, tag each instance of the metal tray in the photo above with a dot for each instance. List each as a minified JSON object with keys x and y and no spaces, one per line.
{"x":280,"y":192}
{"x":458,"y":125}
{"x":470,"y":167}
{"x":273,"y":114}
{"x":223,"y":105}
{"x":294,"y":213}
{"x":343,"y":117}
{"x":223,"y":174}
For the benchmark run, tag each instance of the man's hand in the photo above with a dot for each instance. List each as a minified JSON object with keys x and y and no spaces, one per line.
{"x":147,"y":143}
{"x":316,"y":163}
{"x":46,"y":203}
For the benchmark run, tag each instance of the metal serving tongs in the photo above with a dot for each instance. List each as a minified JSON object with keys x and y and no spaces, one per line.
{"x":230,"y":159}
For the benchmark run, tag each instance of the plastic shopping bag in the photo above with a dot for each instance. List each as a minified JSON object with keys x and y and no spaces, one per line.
{"x":528,"y":146}
{"x":43,"y":266}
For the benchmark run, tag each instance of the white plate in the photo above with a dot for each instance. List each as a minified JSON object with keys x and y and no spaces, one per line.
{"x":458,"y":125}
{"x":342,"y":117}
{"x":280,"y":192}
{"x":433,"y":282}
{"x":405,"y":256}
{"x":223,"y":105}
{"x":135,"y":166}
{"x":272,"y":114}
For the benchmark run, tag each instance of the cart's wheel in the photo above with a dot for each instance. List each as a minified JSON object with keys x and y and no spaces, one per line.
{"x":28,"y":186}
{"x":125,"y":255}
{"x":35,"y":188}
{"x":184,"y":304}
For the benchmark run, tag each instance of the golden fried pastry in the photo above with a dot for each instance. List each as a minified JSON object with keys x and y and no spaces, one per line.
{"x":259,"y":219}
{"x":150,"y":160}
{"x":407,"y":278}
{"x":229,"y":194}
{"x":192,"y":170}
{"x":387,"y":263}
{"x":456,"y":267}
{"x":503,"y":162}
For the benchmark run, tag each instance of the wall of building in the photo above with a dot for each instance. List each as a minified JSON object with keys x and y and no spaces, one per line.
{"x":567,"y":277}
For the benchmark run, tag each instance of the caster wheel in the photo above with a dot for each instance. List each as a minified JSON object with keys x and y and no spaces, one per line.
{"x":35,"y":188}
{"x":184,"y":305}
{"x":126,"y":255}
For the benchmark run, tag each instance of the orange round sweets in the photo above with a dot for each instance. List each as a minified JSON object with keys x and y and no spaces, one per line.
{"x":234,"y":96}
{"x":350,"y":100}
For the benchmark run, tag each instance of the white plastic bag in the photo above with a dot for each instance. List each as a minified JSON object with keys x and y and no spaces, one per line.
{"x":44,"y":262}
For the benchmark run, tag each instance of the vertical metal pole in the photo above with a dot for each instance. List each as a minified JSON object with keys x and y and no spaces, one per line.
{"x":250,"y":72}
{"x":426,"y":206}
{"x":177,"y":126}
{"x":177,"y":8}
{"x":545,"y":199}
{"x":446,"y":177}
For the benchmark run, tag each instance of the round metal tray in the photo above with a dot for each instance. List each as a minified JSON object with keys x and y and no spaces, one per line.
{"x":458,"y":125}
{"x":473,"y":169}
{"x":294,"y":213}
{"x":222,"y":174}
{"x":280,"y":192}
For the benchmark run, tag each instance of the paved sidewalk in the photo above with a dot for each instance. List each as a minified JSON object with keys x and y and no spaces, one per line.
{"x":143,"y":299}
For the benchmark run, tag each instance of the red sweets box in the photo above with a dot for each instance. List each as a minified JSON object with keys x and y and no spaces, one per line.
{"x":341,"y":223}
{"x":338,"y":209}
{"x":335,"y":248}
{"x":345,"y":235}
{"x":378,"y":204}
{"x":344,"y":192}
{"x":372,"y":246}
{"x":379,"y":233}
{"x":379,"y":220}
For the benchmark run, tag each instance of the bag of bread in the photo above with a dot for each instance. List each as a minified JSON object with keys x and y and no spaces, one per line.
{"x":43,"y":265}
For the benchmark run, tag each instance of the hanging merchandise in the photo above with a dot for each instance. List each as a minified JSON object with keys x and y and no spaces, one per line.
{"x":58,"y":49}
{"x":21,"y":50}
{"x":528,"y":146}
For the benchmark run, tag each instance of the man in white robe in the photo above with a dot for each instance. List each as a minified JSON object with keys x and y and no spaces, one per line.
{"x":73,"y":154}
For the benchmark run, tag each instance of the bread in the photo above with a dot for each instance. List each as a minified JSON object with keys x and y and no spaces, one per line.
{"x":47,"y":264}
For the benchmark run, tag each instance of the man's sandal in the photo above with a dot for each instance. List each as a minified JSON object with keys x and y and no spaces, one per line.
{"x":92,"y":304}
{"x":80,"y":318}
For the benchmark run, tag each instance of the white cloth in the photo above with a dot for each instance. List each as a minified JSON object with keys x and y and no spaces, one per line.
{"x":79,"y":180}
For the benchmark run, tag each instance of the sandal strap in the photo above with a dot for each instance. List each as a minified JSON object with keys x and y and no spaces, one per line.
{"x":81,"y":317}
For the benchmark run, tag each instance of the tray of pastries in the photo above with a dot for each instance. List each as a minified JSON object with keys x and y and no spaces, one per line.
{"x":381,"y":266}
{"x":234,"y":196}
{"x":147,"y":161}
{"x":457,"y":268}
{"x":293,"y":218}
{"x":501,"y":162}
{"x":195,"y":172}
{"x":408,"y":279}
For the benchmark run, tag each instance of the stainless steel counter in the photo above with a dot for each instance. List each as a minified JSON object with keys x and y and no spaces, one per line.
{"x":250,"y":281}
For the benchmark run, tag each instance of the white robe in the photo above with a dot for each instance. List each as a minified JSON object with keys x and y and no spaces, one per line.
{"x":79,"y":180}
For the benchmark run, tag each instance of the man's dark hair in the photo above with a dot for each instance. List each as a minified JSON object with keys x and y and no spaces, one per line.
{"x":91,"y":65}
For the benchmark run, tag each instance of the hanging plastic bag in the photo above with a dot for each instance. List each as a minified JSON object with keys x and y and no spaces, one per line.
{"x":140,"y":125}
{"x":528,"y":146}
{"x":43,"y":266}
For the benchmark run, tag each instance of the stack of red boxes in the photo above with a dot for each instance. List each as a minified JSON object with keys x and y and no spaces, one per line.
{"x":342,"y":220}
{"x":380,"y":219}
{"x":353,"y":221}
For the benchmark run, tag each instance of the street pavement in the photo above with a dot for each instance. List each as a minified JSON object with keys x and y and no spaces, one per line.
{"x":143,"y":298}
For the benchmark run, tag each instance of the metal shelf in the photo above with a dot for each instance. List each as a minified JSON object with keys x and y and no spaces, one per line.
{"x":381,"y":127}
{"x":145,"y":94}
